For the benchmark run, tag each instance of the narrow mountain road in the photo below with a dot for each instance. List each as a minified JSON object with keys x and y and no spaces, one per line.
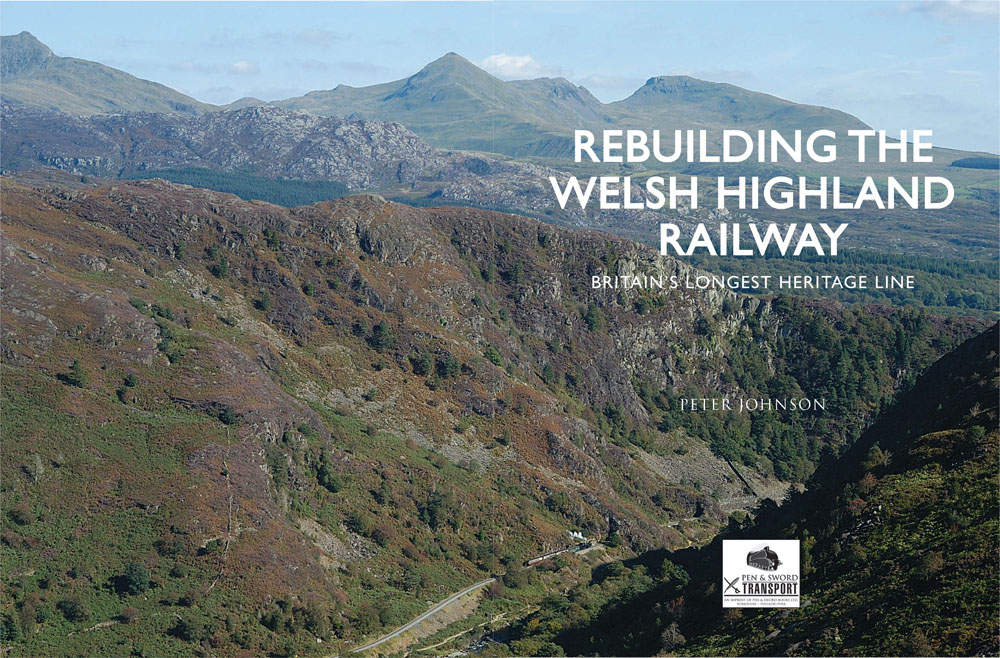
{"x":416,"y":620}
{"x":451,"y":599}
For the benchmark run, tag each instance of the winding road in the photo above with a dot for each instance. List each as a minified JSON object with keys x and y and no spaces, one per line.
{"x":416,"y":620}
{"x":451,"y":599}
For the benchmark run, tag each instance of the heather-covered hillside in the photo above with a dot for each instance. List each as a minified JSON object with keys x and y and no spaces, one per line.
{"x":242,"y":427}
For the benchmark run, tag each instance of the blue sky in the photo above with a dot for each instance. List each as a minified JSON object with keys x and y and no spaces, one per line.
{"x":894,"y":64}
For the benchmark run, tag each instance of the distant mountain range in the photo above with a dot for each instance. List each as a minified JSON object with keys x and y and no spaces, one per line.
{"x":451,"y":102}
{"x":278,"y":143}
{"x":537,"y":117}
{"x":33,"y":76}
{"x":91,"y":120}
{"x":269,"y":141}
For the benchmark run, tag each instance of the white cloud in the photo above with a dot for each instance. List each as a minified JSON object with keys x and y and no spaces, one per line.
{"x":244,"y":67}
{"x":518,"y":67}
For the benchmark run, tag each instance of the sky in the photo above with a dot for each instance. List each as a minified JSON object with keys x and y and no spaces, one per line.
{"x":896,"y":65}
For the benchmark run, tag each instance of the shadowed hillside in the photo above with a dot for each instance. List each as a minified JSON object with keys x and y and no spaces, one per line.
{"x":898,"y":541}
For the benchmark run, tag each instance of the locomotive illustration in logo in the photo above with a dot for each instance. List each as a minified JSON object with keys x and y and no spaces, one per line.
{"x":765,"y":559}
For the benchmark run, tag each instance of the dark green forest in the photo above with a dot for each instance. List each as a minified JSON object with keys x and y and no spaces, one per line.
{"x":977,"y":163}
{"x":848,"y":362}
{"x":288,"y":193}
{"x":950,"y":286}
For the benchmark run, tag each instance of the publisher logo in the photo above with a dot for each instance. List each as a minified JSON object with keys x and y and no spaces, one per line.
{"x":760,"y":573}
{"x":765,"y":559}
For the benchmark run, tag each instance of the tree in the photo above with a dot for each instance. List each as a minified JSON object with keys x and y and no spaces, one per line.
{"x":867,"y":483}
{"x":135,"y":580}
{"x":77,"y":375}
{"x":493,"y":356}
{"x":170,"y":544}
{"x":931,"y":565}
{"x":430,"y":511}
{"x":448,"y":366}
{"x":27,"y":617}
{"x":875,"y":457}
{"x":495,"y":590}
{"x":316,"y":620}
{"x":918,"y":645}
{"x":616,"y":569}
{"x":74,"y":608}
{"x":273,"y":239}
{"x":220,"y":268}
{"x":326,"y":476}
{"x":361,"y":523}
{"x":382,"y":336}
{"x":8,"y":629}
{"x":516,"y":576}
{"x":674,"y":573}
{"x":975,"y":433}
{"x":227,"y":415}
{"x":594,"y":317}
{"x":548,"y":374}
{"x":671,"y":637}
{"x":515,"y":274}
{"x":190,"y":629}
{"x":421,"y":363}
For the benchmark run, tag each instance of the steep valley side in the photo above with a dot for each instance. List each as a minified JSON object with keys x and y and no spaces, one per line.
{"x":243,"y":427}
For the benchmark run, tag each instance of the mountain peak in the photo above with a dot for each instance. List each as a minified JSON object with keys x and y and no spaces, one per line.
{"x":35,"y":77}
{"x":678,"y":83}
{"x":446,"y":72}
{"x":21,"y":52}
{"x":246,"y":101}
{"x":450,"y":61}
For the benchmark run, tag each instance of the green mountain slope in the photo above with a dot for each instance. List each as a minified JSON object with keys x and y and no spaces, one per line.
{"x":453,"y":103}
{"x":33,"y":76}
{"x":672,"y":100}
{"x":899,"y":540}
{"x":240,"y":427}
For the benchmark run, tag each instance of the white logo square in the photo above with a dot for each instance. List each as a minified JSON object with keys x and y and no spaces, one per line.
{"x":760,"y":573}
